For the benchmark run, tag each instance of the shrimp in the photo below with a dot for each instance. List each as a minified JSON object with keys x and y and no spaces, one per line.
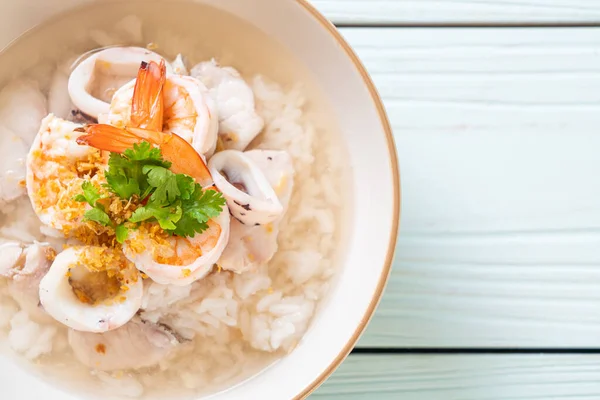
{"x":91,"y":289}
{"x":175,"y":260}
{"x":175,"y":149}
{"x":146,"y":108}
{"x":56,"y":168}
{"x":167,"y":259}
{"x":188,"y":111}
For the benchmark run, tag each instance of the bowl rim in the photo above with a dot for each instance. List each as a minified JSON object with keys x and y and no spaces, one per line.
{"x":383,"y":118}
{"x":385,"y":123}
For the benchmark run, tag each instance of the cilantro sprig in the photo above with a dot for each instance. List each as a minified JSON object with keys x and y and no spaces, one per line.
{"x":97,"y":213}
{"x":91,"y":195}
{"x":178,"y":204}
{"x":125,"y":176}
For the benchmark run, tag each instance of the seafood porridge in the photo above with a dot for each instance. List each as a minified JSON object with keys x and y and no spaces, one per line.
{"x":170,"y":212}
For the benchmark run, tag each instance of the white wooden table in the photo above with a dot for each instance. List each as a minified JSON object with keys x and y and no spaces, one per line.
{"x":495,"y":106}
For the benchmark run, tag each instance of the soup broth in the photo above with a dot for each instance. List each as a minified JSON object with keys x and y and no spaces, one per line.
{"x":228,"y":326}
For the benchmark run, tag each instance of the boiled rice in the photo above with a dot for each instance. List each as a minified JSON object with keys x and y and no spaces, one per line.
{"x":232,"y":319}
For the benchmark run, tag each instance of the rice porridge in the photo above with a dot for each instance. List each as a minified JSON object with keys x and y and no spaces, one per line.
{"x":173,"y":196}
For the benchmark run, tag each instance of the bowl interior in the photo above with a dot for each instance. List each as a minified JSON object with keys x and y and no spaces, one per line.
{"x":374,"y":191}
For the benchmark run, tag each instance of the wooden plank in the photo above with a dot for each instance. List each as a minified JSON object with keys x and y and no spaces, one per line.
{"x":498,"y":132}
{"x":465,"y":377}
{"x":459,"y":11}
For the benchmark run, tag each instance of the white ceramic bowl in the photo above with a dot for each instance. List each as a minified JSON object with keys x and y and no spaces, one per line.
{"x":366,"y":131}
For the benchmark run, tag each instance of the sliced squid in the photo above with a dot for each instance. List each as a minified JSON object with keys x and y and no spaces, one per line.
{"x":91,"y":289}
{"x":239,"y":122}
{"x":251,"y":246}
{"x":95,"y":79}
{"x":135,"y":345}
{"x":249,"y":194}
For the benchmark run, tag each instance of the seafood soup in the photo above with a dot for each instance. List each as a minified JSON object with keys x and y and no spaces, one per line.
{"x":172,"y":197}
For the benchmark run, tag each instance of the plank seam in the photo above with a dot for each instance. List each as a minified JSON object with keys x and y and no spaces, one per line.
{"x":479,"y":350}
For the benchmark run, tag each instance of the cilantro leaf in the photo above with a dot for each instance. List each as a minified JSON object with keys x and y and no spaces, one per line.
{"x":204,"y":204}
{"x":189,"y":226}
{"x":122,"y":186}
{"x":186,"y":185}
{"x":97,"y":215}
{"x":144,"y":151}
{"x":165,"y":183}
{"x":142,"y":214}
{"x":122,"y":176}
{"x":125,"y":175}
{"x":121,"y":233}
{"x":90,"y":194}
{"x":175,"y":201}
{"x":156,"y":175}
{"x":118,"y":162}
{"x":166,"y":216}
{"x":169,"y":186}
{"x":197,"y":210}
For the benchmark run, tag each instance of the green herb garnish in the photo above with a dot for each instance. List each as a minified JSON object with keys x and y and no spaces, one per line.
{"x":197,"y":210}
{"x":125,"y":176}
{"x":121,"y":232}
{"x":178,"y":204}
{"x":91,"y":195}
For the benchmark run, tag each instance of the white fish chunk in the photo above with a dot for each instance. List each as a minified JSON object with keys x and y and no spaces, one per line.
{"x":30,"y":338}
{"x":25,"y":266}
{"x":11,"y":255}
{"x":13,"y":152}
{"x":22,"y":107}
{"x":135,"y":345}
{"x":239,"y":123}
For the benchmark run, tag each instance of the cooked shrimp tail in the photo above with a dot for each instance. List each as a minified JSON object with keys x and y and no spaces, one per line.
{"x":107,"y":137}
{"x":147,"y":106}
{"x":172,"y":104}
{"x":181,"y":154}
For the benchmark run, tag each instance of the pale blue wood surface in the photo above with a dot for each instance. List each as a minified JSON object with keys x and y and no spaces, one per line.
{"x":413,"y":12}
{"x":500,"y":225}
{"x":516,"y":274}
{"x":464,"y":377}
